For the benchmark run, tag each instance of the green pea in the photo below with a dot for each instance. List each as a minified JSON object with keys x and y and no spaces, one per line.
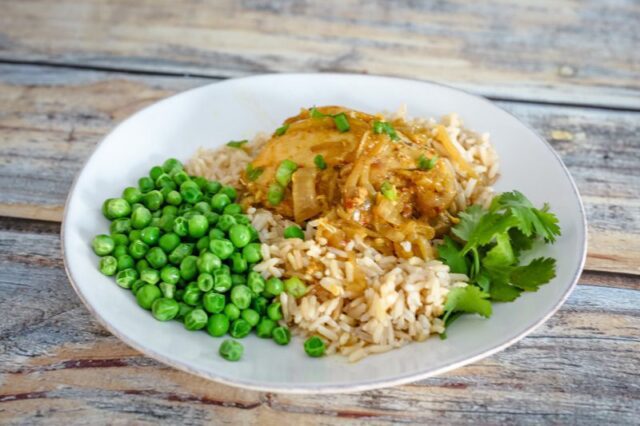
{"x":259,"y":304}
{"x":125,"y":262}
{"x":196,"y":319}
{"x":238,"y":279}
{"x":188,"y":214}
{"x":230,"y":192}
{"x":205,"y":282}
{"x":180,"y":226}
{"x":156,"y":214}
{"x":213,"y":187}
{"x":138,"y":249}
{"x":117,"y":208}
{"x":189,"y":267}
{"x":165,"y":190}
{"x":147,"y":295}
{"x":146,"y":184}
{"x":171,"y":165}
{"x":203,"y":244}
{"x":178,"y":254}
{"x":126,"y":277}
{"x":108,"y":265}
{"x":293,"y":232}
{"x":137,"y":285}
{"x":222,"y":281}
{"x":274,"y":287}
{"x":170,"y":274}
{"x":179,"y":294}
{"x":212,"y":218}
{"x":135,"y":206}
{"x":184,"y":310}
{"x":134,"y":235}
{"x":150,"y":276}
{"x":156,"y":257}
{"x":192,"y":296}
{"x":255,"y":236}
{"x":190,"y":192}
{"x":241,"y":296}
{"x":252,"y":253}
{"x":165,"y":182}
{"x":168,"y":290}
{"x":103,"y":245}
{"x":153,"y":200}
{"x":104,"y":207}
{"x":173,"y":198}
{"x":232,"y":209}
{"x":155,"y":172}
{"x":120,"y":226}
{"x":238,"y":264}
{"x":203,"y":207}
{"x":179,"y":177}
{"x":240,"y":328}
{"x":168,"y":242}
{"x":198,"y":226}
{"x":200,"y":181}
{"x":164,"y":309}
{"x":141,"y":218}
{"x":169,"y":210}
{"x":132,"y":195}
{"x":150,"y":235}
{"x":218,"y":325}
{"x":231,"y":311}
{"x":225,"y":222}
{"x":213,"y":302}
{"x":242,"y":219}
{"x":255,"y":282}
{"x":274,"y":311}
{"x":120,"y":250}
{"x":265,"y":327}
{"x":314,"y":347}
{"x":216,"y":234}
{"x":250,"y":316}
{"x":219,"y":202}
{"x":295,"y":287}
{"x":141,"y":265}
{"x":281,"y":335}
{"x":238,"y":234}
{"x":221,"y":248}
{"x":120,"y":239}
{"x":231,"y":350}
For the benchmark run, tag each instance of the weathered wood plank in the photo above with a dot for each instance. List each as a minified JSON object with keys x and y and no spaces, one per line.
{"x":562,"y":51}
{"x":58,"y":365}
{"x":55,"y":355}
{"x":44,"y":141}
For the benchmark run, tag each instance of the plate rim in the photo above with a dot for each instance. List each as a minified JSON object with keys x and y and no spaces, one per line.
{"x":313,"y":388}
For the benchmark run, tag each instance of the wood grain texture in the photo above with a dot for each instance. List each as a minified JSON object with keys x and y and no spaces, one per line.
{"x":44,"y":142}
{"x":58,"y":365}
{"x":560,"y":51}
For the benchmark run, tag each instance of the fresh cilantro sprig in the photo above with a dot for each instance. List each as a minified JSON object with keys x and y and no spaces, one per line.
{"x":487,"y":245}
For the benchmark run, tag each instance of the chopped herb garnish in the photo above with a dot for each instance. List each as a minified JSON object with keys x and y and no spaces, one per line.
{"x":237,"y":144}
{"x":318,"y":160}
{"x":389,"y":191}
{"x":315,"y":113}
{"x":425,"y":163}
{"x":380,"y":127}
{"x":285,"y":171}
{"x":253,"y":173}
{"x":282,"y":130}
{"x":342,"y":124}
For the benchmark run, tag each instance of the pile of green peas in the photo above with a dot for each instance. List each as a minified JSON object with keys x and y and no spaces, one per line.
{"x":184,"y":248}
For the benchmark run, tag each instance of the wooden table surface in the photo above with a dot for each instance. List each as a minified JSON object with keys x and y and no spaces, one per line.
{"x":70,"y":70}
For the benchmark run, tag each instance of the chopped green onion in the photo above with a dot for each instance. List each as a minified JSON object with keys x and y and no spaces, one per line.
{"x":384,"y":127}
{"x":389,"y":191}
{"x":341,"y":122}
{"x":275,"y":194}
{"x":293,"y":231}
{"x":253,"y":173}
{"x":316,"y":114}
{"x":318,"y":160}
{"x":282,"y":130}
{"x":425,"y":163}
{"x":237,"y":144}
{"x":284,"y":172}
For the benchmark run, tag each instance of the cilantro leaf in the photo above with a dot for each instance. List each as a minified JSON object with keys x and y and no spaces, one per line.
{"x":529,"y":219}
{"x":547,"y":225}
{"x":531,"y":276}
{"x":519,"y":241}
{"x":501,"y":255}
{"x":450,"y":254}
{"x":486,"y":229}
{"x":468,"y":221}
{"x":469,"y":299}
{"x":503,"y":292}
{"x":483,"y":280}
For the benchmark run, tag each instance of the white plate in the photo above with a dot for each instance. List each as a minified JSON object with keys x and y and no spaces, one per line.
{"x":238,"y":109}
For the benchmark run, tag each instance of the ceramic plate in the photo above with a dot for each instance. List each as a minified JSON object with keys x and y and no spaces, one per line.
{"x":237,"y":109}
